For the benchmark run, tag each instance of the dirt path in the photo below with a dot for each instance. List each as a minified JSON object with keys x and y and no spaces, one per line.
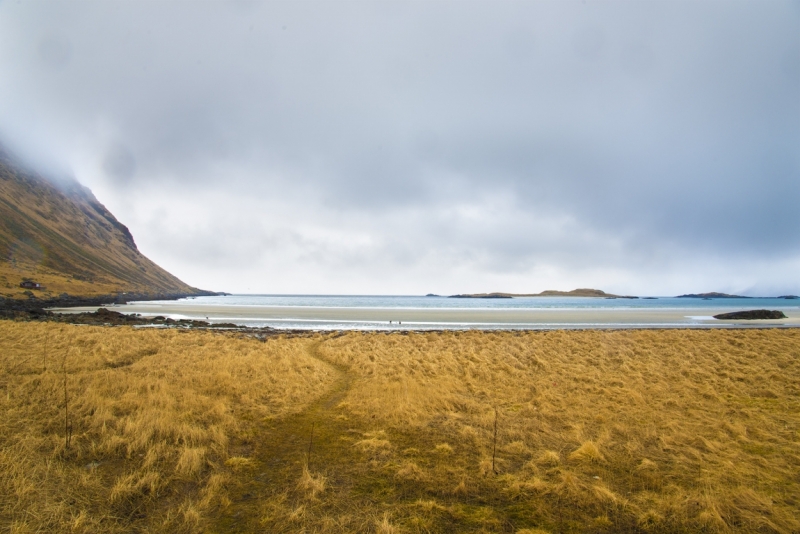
{"x":280,"y":452}
{"x":361,"y":485}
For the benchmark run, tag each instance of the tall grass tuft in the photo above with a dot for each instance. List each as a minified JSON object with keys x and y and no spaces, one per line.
{"x":311,"y":484}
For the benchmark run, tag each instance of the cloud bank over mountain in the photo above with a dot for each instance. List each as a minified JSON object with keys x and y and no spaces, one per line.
{"x":639,"y":147}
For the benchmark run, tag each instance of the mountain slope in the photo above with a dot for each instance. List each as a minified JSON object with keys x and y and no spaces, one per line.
{"x":58,"y":234}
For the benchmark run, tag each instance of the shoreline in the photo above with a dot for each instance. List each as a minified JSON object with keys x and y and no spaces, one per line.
{"x":35,"y":307}
{"x":325,"y":319}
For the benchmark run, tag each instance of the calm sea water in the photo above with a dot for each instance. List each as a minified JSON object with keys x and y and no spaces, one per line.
{"x":417,"y":302}
{"x":335,"y":312}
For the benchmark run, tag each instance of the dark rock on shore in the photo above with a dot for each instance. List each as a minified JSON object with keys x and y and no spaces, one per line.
{"x":106,"y":317}
{"x":789,"y":297}
{"x":752,"y":314}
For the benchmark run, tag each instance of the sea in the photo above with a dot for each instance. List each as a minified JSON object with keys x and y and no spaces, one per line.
{"x":391,"y":312}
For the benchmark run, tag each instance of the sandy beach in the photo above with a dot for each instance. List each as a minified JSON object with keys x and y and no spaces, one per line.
{"x":413,"y":318}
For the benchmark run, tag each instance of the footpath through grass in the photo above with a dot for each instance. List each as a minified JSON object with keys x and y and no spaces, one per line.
{"x":326,"y":470}
{"x":631,"y":431}
{"x":602,"y":431}
{"x":275,"y":458}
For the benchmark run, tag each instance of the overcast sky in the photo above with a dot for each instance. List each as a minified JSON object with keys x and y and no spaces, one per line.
{"x":411,"y":147}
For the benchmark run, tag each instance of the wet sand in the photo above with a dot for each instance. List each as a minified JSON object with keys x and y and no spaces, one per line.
{"x":369,"y":318}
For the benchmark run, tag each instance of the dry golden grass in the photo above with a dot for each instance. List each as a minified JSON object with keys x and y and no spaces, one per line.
{"x":598,"y":431}
{"x":55,"y":283}
{"x":643,"y":430}
{"x":151,"y":415}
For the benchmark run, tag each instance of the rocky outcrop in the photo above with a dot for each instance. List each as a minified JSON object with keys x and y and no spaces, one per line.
{"x":752,"y":315}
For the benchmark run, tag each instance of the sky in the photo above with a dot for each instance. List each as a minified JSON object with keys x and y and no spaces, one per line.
{"x":648,"y":148}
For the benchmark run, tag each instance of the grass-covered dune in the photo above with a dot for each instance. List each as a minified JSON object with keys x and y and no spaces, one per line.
{"x":112,"y":429}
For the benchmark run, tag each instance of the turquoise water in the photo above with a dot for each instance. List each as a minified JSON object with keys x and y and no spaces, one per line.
{"x":420,"y":302}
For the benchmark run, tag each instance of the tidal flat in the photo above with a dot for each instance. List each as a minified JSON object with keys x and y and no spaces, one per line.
{"x":116,"y":429}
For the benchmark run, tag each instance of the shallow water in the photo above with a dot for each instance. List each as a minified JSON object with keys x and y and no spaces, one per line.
{"x":358,"y":312}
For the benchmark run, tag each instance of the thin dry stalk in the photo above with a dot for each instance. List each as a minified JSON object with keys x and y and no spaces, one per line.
{"x":44,"y":353}
{"x":67,"y":433}
{"x":310,"y":445}
{"x":494,"y":442}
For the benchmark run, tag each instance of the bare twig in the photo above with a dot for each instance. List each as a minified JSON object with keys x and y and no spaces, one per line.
{"x":67,"y":433}
{"x":44,"y":355}
{"x":310,"y":444}
{"x":494,"y":446}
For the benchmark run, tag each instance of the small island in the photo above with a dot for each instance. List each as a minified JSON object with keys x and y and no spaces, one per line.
{"x":712,"y":295}
{"x":585,"y":292}
{"x":483,"y":296}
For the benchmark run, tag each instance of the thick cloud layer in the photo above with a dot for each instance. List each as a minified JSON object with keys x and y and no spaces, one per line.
{"x":408,"y":147}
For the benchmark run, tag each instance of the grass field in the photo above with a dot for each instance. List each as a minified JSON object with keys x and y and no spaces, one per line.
{"x":117,"y":430}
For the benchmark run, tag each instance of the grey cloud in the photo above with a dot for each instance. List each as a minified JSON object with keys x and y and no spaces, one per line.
{"x":119,"y":163}
{"x":588,"y":44}
{"x":55,"y":50}
{"x":650,"y":127}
